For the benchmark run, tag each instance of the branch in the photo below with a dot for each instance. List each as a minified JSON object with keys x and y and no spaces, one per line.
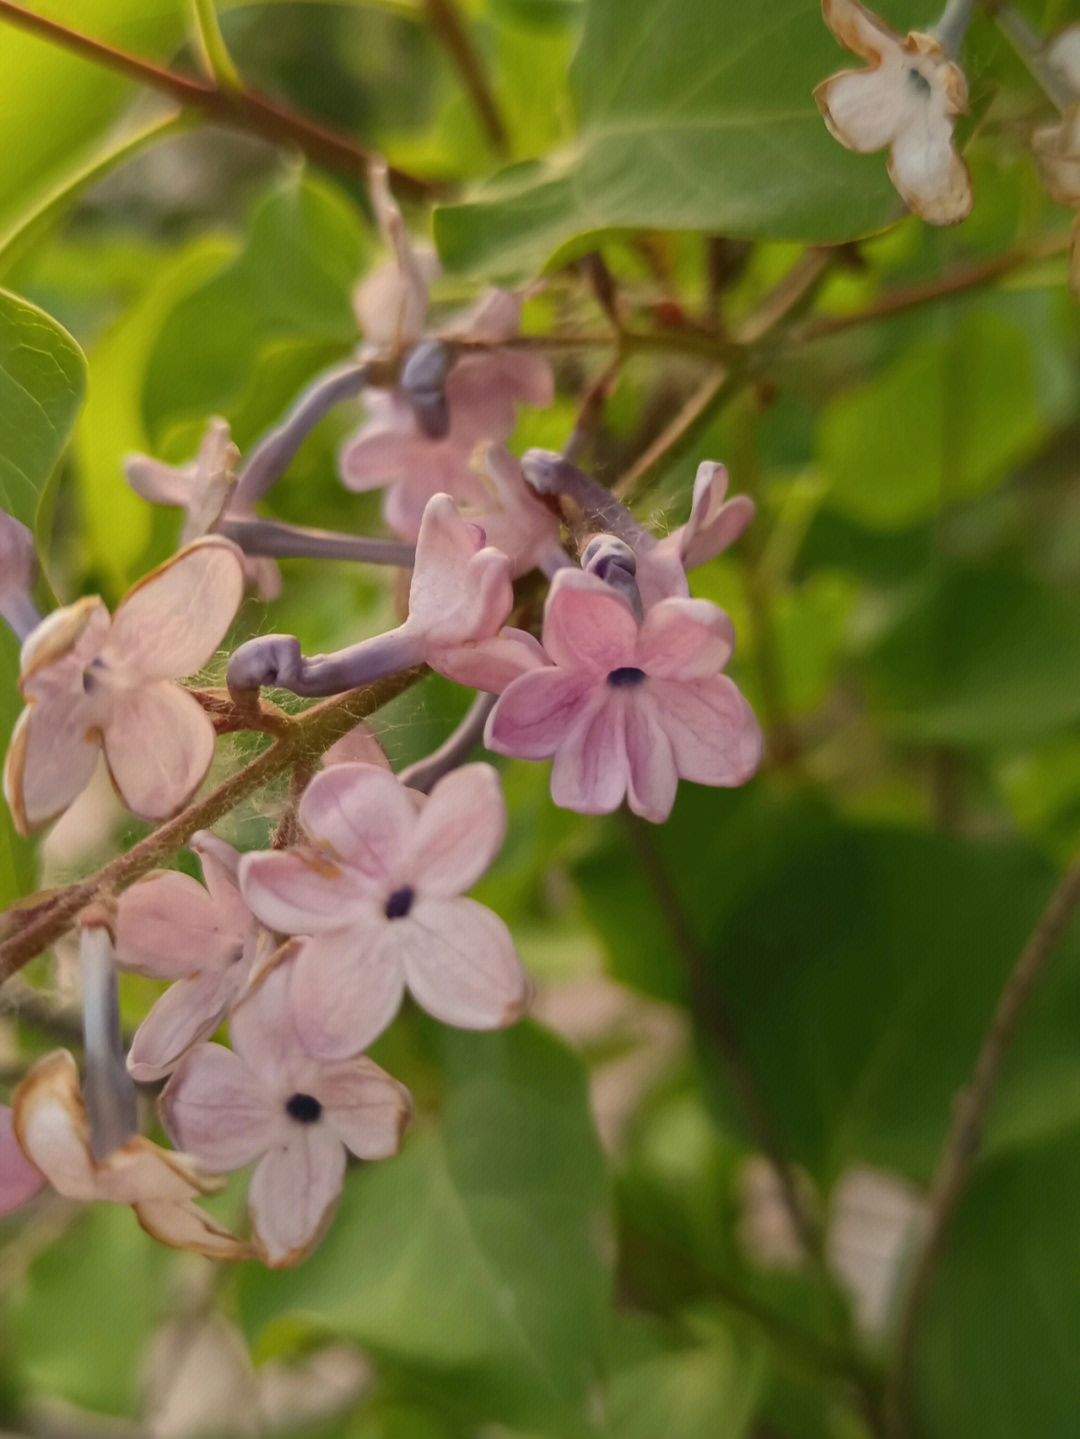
{"x":239,"y":109}
{"x":447,"y":28}
{"x":961,"y":1146}
{"x":34,"y":923}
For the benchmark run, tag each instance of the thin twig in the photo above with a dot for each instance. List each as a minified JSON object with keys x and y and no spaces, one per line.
{"x":961,"y":1146}
{"x":32,"y":924}
{"x":718,"y":1023}
{"x":239,"y":109}
{"x":447,"y":28}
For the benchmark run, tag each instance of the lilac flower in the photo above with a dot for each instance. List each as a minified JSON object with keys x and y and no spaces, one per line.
{"x":379,"y":888}
{"x":907,"y":100}
{"x":270,"y":1101}
{"x":93,"y":683}
{"x":627,"y":708}
{"x":204,"y":491}
{"x":53,"y":1132}
{"x":714,"y":525}
{"x":170,"y":927}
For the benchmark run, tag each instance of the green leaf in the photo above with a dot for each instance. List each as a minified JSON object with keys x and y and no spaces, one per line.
{"x":861,"y":965}
{"x":80,"y":1316}
{"x":288,"y":289}
{"x":948,"y":419}
{"x":696,"y":1393}
{"x":472,"y":1256}
{"x":995,"y":1354}
{"x":688,"y":120}
{"x":42,"y":381}
{"x":975,"y":659}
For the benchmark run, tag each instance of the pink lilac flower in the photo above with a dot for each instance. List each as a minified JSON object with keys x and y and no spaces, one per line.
{"x":19,"y":1179}
{"x":627,"y":708}
{"x":268,"y":1100}
{"x":907,"y":99}
{"x":92,"y":683}
{"x":53,"y":1132}
{"x":204,"y":490}
{"x":169,"y":927}
{"x":379,"y":888}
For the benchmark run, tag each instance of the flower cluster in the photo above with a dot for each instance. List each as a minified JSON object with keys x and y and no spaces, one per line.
{"x":305,"y":950}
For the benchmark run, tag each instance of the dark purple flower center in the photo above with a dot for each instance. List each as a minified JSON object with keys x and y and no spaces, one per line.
{"x":399,"y":903}
{"x":918,"y":81}
{"x":625,"y":677}
{"x":304,"y":1108}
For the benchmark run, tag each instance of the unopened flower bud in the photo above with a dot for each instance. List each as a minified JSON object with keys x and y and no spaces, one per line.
{"x":423,"y":381}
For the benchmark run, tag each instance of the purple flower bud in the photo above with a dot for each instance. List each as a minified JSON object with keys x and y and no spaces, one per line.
{"x":423,"y":381}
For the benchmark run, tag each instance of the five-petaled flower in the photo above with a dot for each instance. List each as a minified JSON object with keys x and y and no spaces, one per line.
{"x":91,"y":682}
{"x":380,"y":887}
{"x":907,"y":99}
{"x":627,"y":708}
{"x":268,"y":1100}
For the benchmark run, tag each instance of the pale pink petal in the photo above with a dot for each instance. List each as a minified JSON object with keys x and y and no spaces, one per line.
{"x":365,"y":1107}
{"x":534,"y":714}
{"x":50,"y":760}
{"x":346,"y":988}
{"x":858,"y":28}
{"x":495,"y":316}
{"x":442,"y":470}
{"x":168,"y":926}
{"x":381,"y":452}
{"x":461,"y":964}
{"x":362,"y":814}
{"x":459,"y":590}
{"x":74,"y":633}
{"x":713,"y":525}
{"x":685,"y":638}
{"x":159,"y":483}
{"x":262,"y":1027}
{"x":590,"y":771}
{"x":490,"y":664}
{"x":460,"y":831}
{"x":19,"y":1179}
{"x":217,"y":1110}
{"x":158,"y":746}
{"x":297,"y":893}
{"x":587,"y":625}
{"x":174,"y":619}
{"x":529,"y":376}
{"x":929,"y":174}
{"x":661,"y":574}
{"x":652,"y":778}
{"x":359,"y":746}
{"x":221,"y":870}
{"x":293,"y":1191}
{"x":186,"y":1226}
{"x":189,"y":1011}
{"x":864,"y":109}
{"x":714,"y":735}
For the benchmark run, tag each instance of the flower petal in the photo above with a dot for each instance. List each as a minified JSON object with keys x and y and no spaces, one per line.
{"x":295,"y":892}
{"x":714,"y":735}
{"x":168,"y":926}
{"x":173,"y":620}
{"x":685,"y":638}
{"x":460,"y":831}
{"x":367,"y":1109}
{"x":50,"y":760}
{"x":929,"y":174}
{"x":158,"y":745}
{"x":217,"y":1109}
{"x":362,"y":814}
{"x":186,"y":1226}
{"x":293,"y":1192}
{"x":858,"y":28}
{"x":461,"y":964}
{"x":459,"y":591}
{"x":590,"y":771}
{"x":652,"y":778}
{"x":490,"y":664}
{"x":864,"y":109}
{"x":346,"y":988}
{"x":186,"y":1013}
{"x":587,"y":625}
{"x":535,"y":712}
